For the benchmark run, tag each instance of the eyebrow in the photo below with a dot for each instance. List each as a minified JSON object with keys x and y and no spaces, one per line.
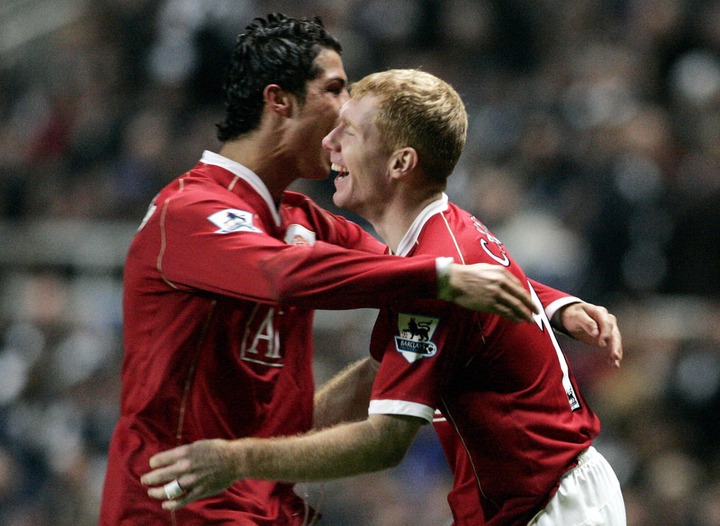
{"x":341,"y":80}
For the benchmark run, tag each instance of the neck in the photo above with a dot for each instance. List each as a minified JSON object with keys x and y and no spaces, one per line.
{"x":264,"y":158}
{"x":398,"y":215}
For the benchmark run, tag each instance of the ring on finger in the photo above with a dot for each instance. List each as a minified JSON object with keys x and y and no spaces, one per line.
{"x":173,"y":490}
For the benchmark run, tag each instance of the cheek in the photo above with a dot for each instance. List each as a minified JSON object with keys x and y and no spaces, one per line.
{"x":308,"y":142}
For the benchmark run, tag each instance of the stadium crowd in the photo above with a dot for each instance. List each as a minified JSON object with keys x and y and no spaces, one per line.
{"x":595,"y":137}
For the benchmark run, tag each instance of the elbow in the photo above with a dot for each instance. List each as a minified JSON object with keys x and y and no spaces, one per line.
{"x":394,"y":434}
{"x":285,"y":275}
{"x":390,"y":457}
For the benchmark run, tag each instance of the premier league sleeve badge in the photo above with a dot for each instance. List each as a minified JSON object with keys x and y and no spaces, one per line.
{"x":415,"y":336}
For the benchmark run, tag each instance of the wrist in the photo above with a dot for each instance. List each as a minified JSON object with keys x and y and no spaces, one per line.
{"x":444,"y":289}
{"x":556,"y":313}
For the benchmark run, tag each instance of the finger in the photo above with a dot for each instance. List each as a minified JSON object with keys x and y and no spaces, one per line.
{"x":190,"y":496}
{"x":517,"y":313}
{"x":165,"y":458}
{"x":159,"y":476}
{"x":587,"y":330}
{"x":586,"y":320}
{"x":519,"y":302}
{"x":174,"y":505}
{"x":606,"y":332}
{"x":157,"y":493}
{"x":528,"y":305}
{"x":513,"y":287}
{"x":616,"y":347}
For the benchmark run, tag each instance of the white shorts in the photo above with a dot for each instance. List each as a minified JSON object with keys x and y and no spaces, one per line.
{"x":589,"y":495}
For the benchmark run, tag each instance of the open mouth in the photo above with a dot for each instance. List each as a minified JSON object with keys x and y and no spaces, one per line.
{"x":337,"y":171}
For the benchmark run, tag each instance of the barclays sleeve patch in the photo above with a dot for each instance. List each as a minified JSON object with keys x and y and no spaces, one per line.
{"x":233,"y":220}
{"x":415,"y":336}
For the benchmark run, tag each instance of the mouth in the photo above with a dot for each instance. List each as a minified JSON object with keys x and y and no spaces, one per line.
{"x":338,"y":172}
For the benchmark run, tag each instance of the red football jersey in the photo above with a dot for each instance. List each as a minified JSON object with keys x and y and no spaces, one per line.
{"x":217,"y":330}
{"x":513,"y":420}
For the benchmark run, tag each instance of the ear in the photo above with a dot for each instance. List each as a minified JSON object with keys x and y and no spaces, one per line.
{"x":403,"y":162}
{"x":278,"y":100}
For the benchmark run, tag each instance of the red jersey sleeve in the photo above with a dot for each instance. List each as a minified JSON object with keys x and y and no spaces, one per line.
{"x":192,"y":251}
{"x":415,"y":357}
{"x":552,"y":299}
{"x":332,"y":228}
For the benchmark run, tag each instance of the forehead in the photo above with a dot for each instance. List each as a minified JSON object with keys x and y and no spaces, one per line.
{"x":358,"y":111}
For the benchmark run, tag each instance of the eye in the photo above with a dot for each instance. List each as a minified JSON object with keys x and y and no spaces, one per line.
{"x":336,"y":88}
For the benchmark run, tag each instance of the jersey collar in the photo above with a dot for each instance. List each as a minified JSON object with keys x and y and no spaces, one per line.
{"x":410,"y":238}
{"x":246,"y":174}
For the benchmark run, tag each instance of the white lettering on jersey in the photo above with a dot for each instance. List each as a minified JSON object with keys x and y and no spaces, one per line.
{"x":484,"y":243}
{"x":541,"y":320}
{"x":261,"y":343}
{"x":233,"y":220}
{"x":504,"y":261}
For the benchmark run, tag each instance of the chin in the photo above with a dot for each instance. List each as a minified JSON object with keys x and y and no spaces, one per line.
{"x":338,"y":200}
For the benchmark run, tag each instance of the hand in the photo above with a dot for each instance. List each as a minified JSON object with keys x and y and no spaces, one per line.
{"x":202,"y":469}
{"x":491,"y":288}
{"x":593,"y":325}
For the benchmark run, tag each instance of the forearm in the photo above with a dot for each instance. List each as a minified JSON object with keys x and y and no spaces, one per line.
{"x":340,"y":451}
{"x":345,"y":397}
{"x":328,"y":277}
{"x":207,"y":467}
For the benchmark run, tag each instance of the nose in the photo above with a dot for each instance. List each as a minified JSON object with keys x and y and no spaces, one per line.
{"x":329,"y":142}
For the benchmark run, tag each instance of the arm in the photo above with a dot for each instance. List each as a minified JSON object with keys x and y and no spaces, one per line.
{"x":207,"y":467}
{"x":190,"y":252}
{"x":348,"y":279}
{"x":345,"y":397}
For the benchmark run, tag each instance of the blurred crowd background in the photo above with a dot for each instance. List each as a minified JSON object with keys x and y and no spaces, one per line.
{"x":593,"y":153}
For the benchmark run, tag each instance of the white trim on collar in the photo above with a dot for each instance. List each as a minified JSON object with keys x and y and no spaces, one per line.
{"x":410,"y":238}
{"x":247,"y":175}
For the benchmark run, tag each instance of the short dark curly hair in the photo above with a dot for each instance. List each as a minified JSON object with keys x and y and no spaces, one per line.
{"x":278,"y":50}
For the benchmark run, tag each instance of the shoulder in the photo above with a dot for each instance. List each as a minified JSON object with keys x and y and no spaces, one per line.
{"x":291,"y":198}
{"x":196,"y":202}
{"x":445,"y":233}
{"x":295,"y":204}
{"x":295,"y":200}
